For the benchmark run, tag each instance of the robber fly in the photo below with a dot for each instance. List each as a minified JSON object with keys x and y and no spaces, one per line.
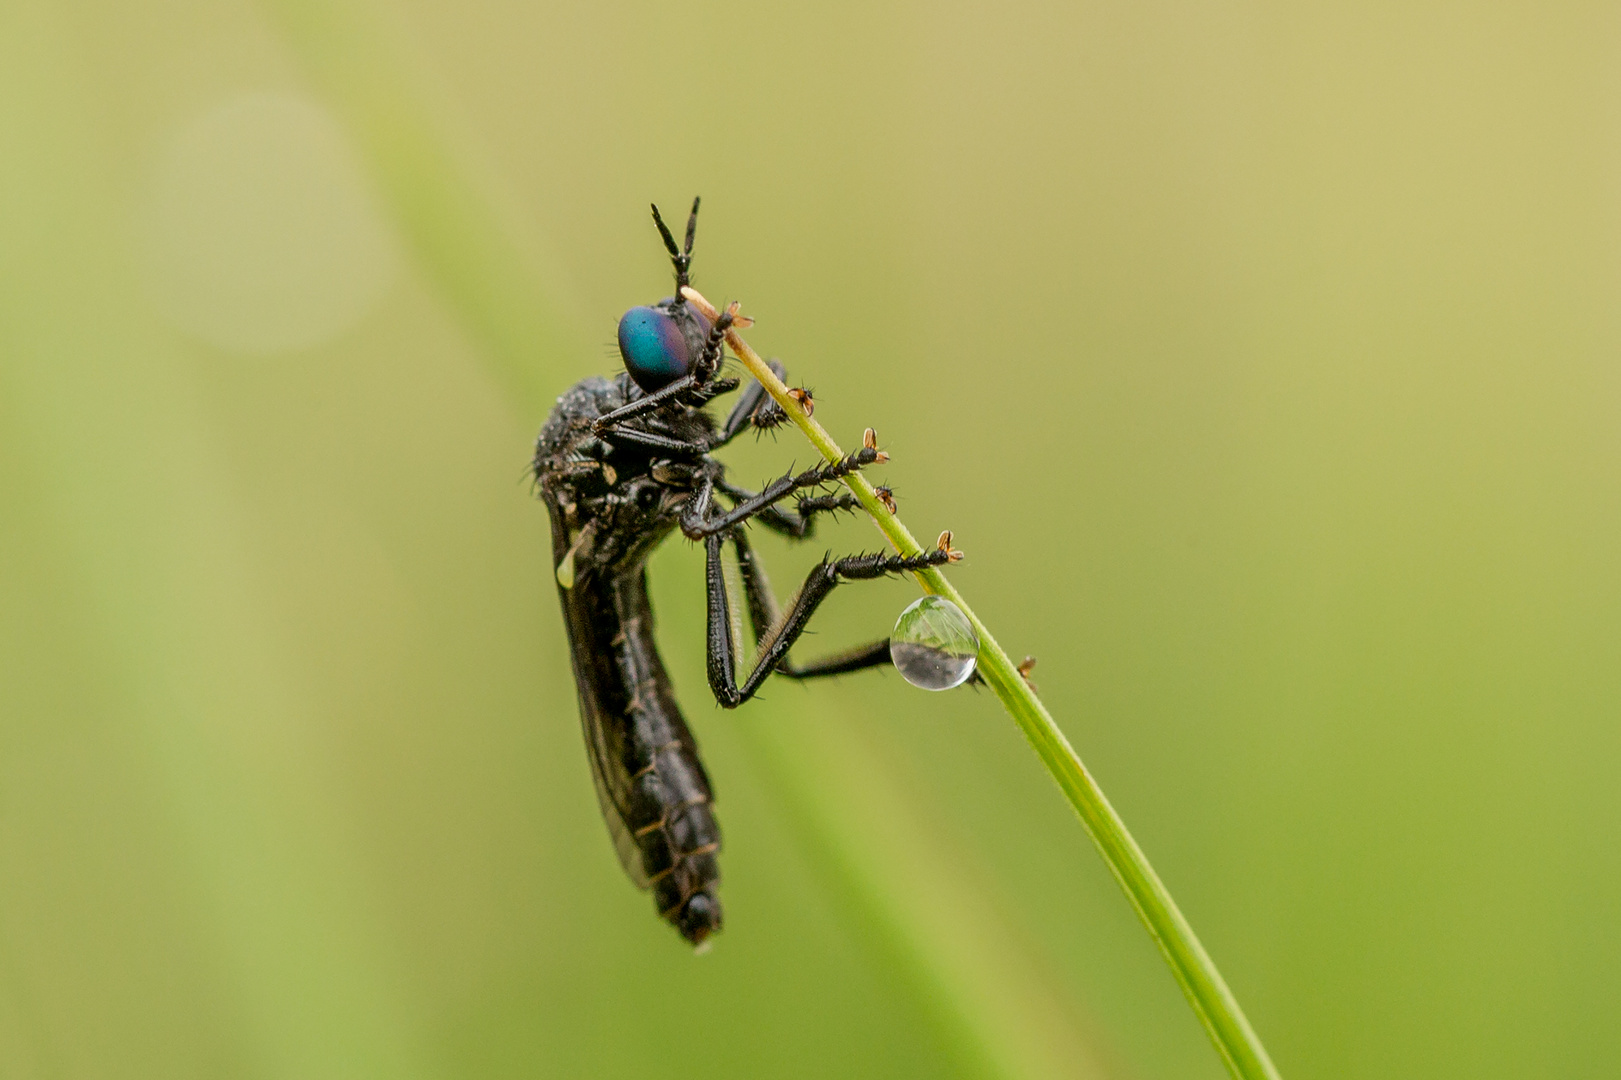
{"x":622,"y":463}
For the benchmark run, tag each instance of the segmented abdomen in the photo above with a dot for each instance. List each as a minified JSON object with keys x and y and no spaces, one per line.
{"x":678,"y":839}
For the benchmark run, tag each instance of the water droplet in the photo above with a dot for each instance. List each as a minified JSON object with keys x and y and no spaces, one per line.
{"x":934,"y":645}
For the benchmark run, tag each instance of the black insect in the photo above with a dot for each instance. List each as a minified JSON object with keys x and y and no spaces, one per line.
{"x":622,"y":463}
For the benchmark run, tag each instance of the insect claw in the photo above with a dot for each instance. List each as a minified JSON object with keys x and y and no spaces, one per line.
{"x":735,"y":311}
{"x":1026,"y":666}
{"x":885,"y":496}
{"x":944,"y":544}
{"x":802,"y":398}
{"x":869,"y":439}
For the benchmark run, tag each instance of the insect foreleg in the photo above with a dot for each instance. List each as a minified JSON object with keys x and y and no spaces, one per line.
{"x":627,"y":434}
{"x":609,"y":423}
{"x":695,"y":391}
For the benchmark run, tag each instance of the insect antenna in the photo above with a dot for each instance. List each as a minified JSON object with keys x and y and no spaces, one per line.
{"x":681,"y":257}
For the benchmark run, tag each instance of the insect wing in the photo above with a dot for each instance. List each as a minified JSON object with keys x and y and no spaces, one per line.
{"x":593,"y":673}
{"x":613,"y":786}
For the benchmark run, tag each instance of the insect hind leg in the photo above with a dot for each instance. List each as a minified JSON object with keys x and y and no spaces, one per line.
{"x":776,"y":633}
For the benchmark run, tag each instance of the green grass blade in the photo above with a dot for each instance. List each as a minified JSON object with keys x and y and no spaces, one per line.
{"x":456,"y":215}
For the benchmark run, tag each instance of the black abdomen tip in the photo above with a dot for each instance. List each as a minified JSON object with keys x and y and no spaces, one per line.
{"x":699,"y":918}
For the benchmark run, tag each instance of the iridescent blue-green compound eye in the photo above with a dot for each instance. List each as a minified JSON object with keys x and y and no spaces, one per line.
{"x":655,"y":350}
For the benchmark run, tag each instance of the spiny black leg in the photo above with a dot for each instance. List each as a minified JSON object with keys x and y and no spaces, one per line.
{"x":781,"y":521}
{"x":769,"y":416}
{"x":699,"y":396}
{"x":794,"y":525}
{"x":823,"y":504}
{"x":763,"y":610}
{"x":685,"y":448}
{"x":872,"y":654}
{"x":714,"y":346}
{"x":605,"y":423}
{"x":688,"y":389}
{"x":721,"y":650}
{"x":696,"y":523}
{"x":764,"y":615}
{"x":681,"y":257}
{"x":776,"y":642}
{"x":751,"y":399}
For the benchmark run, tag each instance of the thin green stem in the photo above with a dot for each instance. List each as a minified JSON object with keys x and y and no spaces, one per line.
{"x":1195,"y":972}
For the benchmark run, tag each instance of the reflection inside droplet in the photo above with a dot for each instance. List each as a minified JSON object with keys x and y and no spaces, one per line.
{"x":934,"y":645}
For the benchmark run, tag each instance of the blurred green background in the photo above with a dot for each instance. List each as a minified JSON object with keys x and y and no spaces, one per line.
{"x":1262,"y":358}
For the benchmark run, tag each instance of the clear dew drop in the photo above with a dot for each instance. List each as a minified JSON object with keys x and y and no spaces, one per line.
{"x":934,"y":645}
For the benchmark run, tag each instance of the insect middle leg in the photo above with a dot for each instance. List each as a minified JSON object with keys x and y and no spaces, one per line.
{"x":700,"y":519}
{"x":796,"y":524}
{"x":784,"y":630}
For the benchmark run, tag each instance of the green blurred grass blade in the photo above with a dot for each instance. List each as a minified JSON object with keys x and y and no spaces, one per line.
{"x":452,"y":208}
{"x":171,"y":680}
{"x":916,"y":896}
{"x":970,"y":972}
